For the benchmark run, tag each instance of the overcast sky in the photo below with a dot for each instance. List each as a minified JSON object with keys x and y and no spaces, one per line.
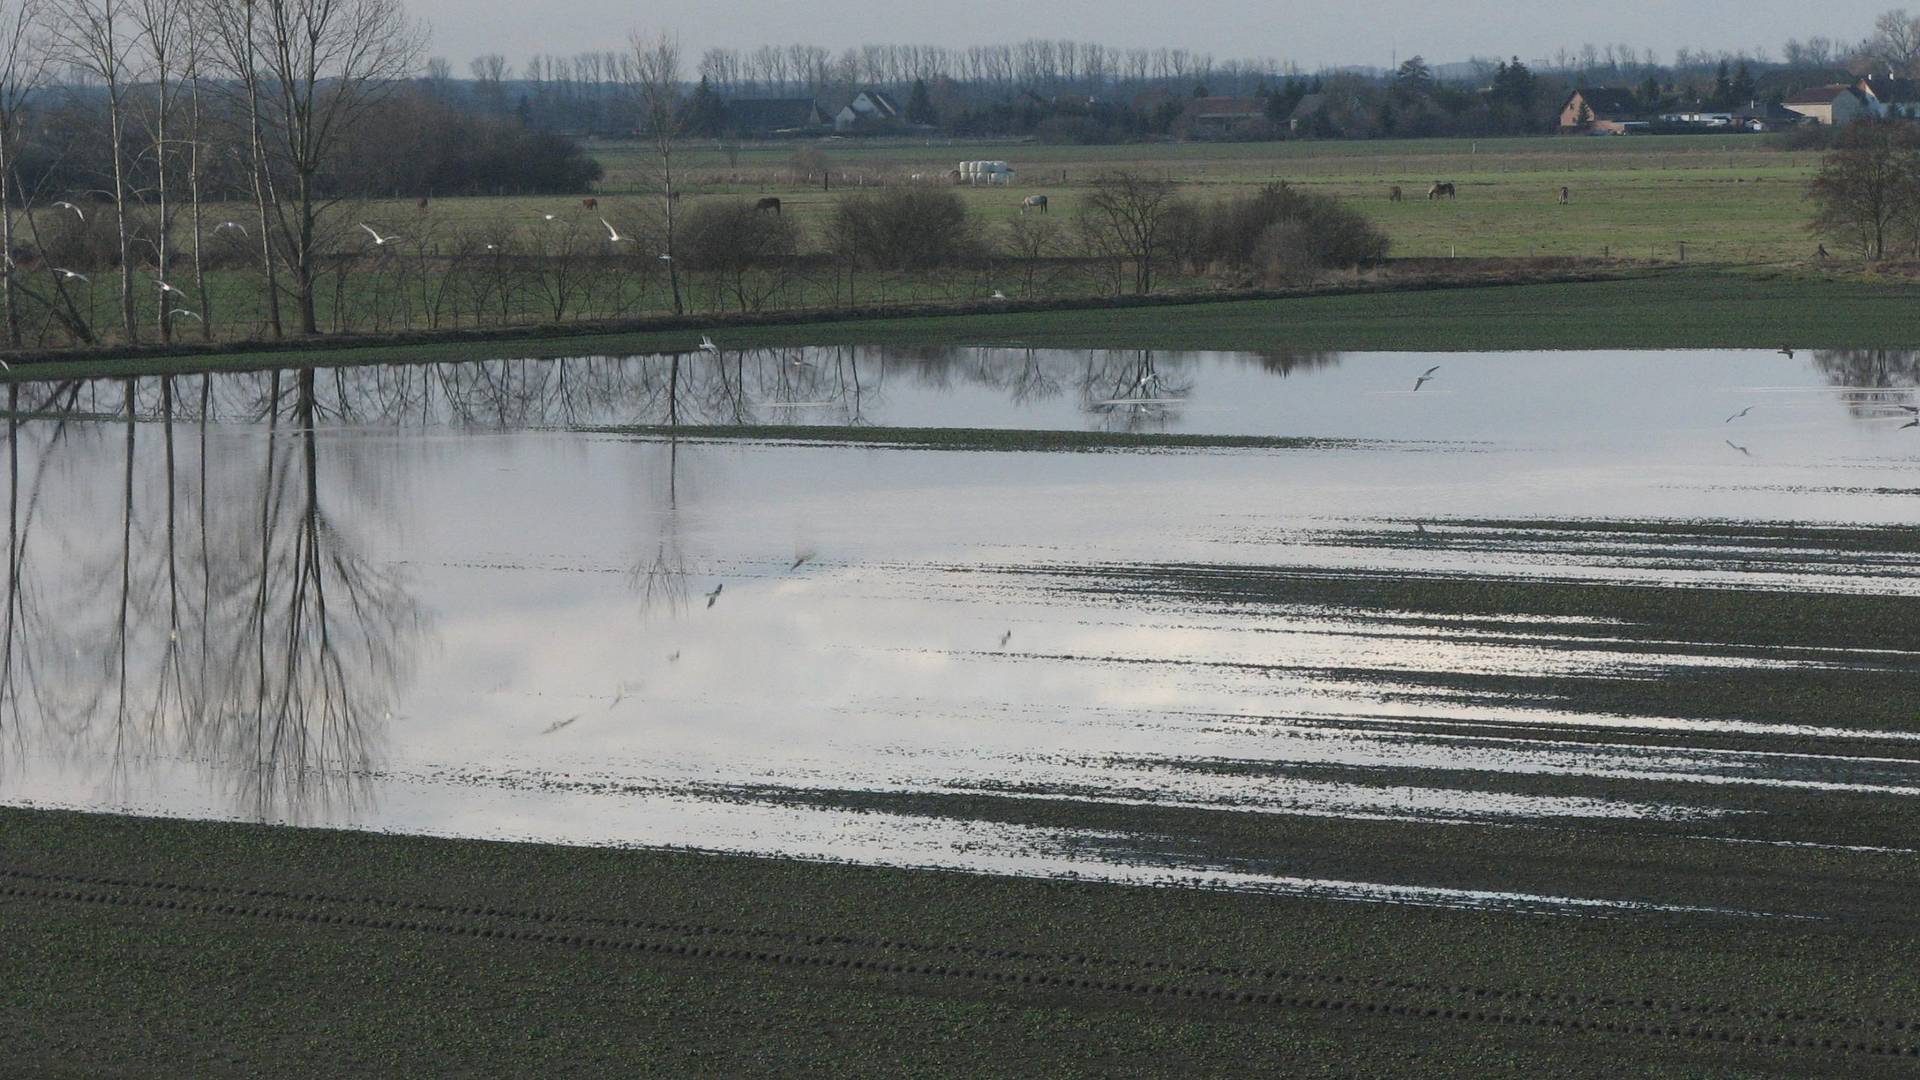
{"x":1311,"y":34}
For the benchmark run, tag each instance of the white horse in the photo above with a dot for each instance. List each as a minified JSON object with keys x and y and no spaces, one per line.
{"x":1034,"y":202}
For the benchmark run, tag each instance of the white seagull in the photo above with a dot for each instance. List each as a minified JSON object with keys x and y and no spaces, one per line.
{"x":613,"y":234}
{"x":166,"y":288}
{"x":997,"y":295}
{"x":378,"y":240}
{"x":231,"y":225}
{"x":707,"y":345}
{"x":75,"y":209}
{"x":715,"y":594}
{"x":183,"y":311}
{"x":1425,"y":378}
{"x":1739,"y":414}
{"x":71,"y":275}
{"x":549,"y":217}
{"x":1740,"y":448}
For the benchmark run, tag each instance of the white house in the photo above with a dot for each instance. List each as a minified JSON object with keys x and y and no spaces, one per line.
{"x":869,"y":109}
{"x":1835,"y":104}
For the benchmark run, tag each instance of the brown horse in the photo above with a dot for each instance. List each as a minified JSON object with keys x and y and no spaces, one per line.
{"x":590,"y":204}
{"x":1566,"y":196}
{"x":423,"y":202}
{"x":1440,"y":191}
{"x":1394,"y":194}
{"x":768,"y":203}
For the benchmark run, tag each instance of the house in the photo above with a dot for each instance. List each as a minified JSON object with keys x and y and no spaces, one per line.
{"x":775,"y":116}
{"x":1304,"y":110}
{"x":1601,"y":110}
{"x":1753,"y":116}
{"x":1213,"y":115}
{"x":1888,"y":96}
{"x":1834,"y":104}
{"x":870,"y":110}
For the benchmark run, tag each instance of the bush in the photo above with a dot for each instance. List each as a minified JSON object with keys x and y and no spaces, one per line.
{"x":1317,"y":232}
{"x":904,"y":228}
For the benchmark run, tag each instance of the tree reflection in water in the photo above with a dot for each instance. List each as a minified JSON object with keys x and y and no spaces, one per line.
{"x":231,"y":623}
{"x":1885,"y":378}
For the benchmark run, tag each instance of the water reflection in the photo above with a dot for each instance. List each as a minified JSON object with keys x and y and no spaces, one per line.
{"x":218,"y":613}
{"x":398,"y":597}
{"x":1887,"y":379}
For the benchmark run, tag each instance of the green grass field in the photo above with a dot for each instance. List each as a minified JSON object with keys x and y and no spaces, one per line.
{"x":1649,"y":309}
{"x":188,"y":948}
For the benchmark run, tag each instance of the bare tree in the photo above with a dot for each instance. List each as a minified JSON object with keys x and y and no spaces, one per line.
{"x":1867,"y":184}
{"x":95,"y":36}
{"x":656,"y":87}
{"x":1125,"y":216}
{"x":231,"y":26}
{"x":327,"y":62}
{"x":23,"y":66}
{"x":161,"y":28}
{"x":1895,"y":44}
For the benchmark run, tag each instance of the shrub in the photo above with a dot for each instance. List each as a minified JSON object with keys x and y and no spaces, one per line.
{"x":1320,"y":232}
{"x":904,"y":228}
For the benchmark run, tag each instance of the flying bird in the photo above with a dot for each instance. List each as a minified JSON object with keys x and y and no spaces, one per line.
{"x":707,"y":345}
{"x":673,"y":656}
{"x":166,"y":288}
{"x":715,"y":594}
{"x":231,"y":225}
{"x":1739,"y":414}
{"x":557,"y":725}
{"x":1006,"y":637}
{"x":70,"y":275}
{"x":997,"y":295}
{"x":1425,"y":378}
{"x":1910,"y":423}
{"x":1740,"y":448}
{"x":69,"y":206}
{"x":664,"y":257}
{"x":613,"y":234}
{"x":180,"y":311}
{"x":805,"y":558}
{"x":378,"y":240}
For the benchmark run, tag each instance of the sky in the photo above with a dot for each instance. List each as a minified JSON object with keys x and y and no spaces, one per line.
{"x":1335,"y":33}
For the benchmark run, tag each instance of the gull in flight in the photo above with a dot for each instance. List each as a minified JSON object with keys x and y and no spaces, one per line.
{"x":1910,"y":410}
{"x":805,"y":558}
{"x":1006,"y":637}
{"x":664,"y":257}
{"x":673,"y":656}
{"x":70,"y":275}
{"x":75,"y":209}
{"x":715,"y":594}
{"x":707,"y":345}
{"x":1740,"y":448}
{"x":1425,"y":378}
{"x":613,"y":234}
{"x":1739,"y":414}
{"x":378,"y":240}
{"x":231,"y":225}
{"x":557,"y":725}
{"x":166,"y":288}
{"x":997,"y":295}
{"x":179,"y":311}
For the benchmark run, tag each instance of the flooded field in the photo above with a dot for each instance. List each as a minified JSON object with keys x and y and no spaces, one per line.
{"x":1596,"y":632}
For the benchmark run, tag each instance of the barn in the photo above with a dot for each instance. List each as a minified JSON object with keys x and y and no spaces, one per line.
{"x":1601,"y":110}
{"x":1837,"y":103}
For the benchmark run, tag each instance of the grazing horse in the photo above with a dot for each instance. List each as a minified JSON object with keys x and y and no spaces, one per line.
{"x":1440,"y":190}
{"x":1034,"y":202}
{"x":1394,"y":194}
{"x":589,"y":204}
{"x":423,"y":202}
{"x":768,"y":203}
{"x":1566,"y":196}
